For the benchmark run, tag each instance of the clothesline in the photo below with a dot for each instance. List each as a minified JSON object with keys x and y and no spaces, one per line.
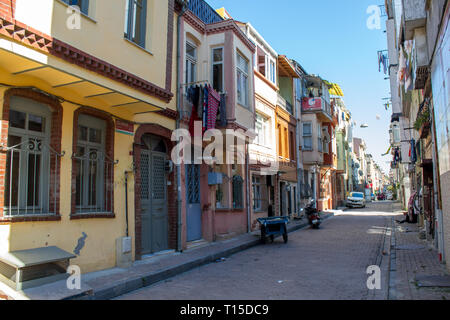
{"x":200,"y":82}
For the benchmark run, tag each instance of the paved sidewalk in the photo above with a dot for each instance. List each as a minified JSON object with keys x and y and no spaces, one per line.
{"x":414,"y":258}
{"x":114,"y":282}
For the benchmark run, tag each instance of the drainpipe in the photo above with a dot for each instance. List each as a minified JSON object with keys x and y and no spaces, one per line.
{"x":126,"y":202}
{"x":248,"y":188}
{"x":178,"y":167}
{"x":437,"y":203}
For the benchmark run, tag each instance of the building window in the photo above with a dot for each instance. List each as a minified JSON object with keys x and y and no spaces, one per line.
{"x":286,"y":143}
{"x":298,"y":89}
{"x":217,"y":66}
{"x":262,"y":61}
{"x":257,"y":193}
{"x":319,"y":139}
{"x":307,"y":136}
{"x":242,"y":80}
{"x":93,"y":168}
{"x":222,"y":190}
{"x":191,"y":63}
{"x":291,"y":146}
{"x":238,"y":192}
{"x":136,"y":21}
{"x":262,"y":128}
{"x":32,"y":165}
{"x":82,"y":4}
{"x":272,"y":72}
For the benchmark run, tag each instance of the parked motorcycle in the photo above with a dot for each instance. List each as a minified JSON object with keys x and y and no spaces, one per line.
{"x":313,"y":215}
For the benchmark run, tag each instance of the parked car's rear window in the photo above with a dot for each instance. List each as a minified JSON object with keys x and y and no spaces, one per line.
{"x":357,"y":195}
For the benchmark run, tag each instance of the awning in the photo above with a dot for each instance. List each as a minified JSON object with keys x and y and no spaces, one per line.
{"x":286,"y":68}
{"x":334,"y":89}
{"x":21,"y":71}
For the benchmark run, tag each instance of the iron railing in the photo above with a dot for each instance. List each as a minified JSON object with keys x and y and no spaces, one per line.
{"x":94,"y":182}
{"x":31,"y":179}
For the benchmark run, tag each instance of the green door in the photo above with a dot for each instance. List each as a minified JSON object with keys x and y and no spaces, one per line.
{"x":153,"y":198}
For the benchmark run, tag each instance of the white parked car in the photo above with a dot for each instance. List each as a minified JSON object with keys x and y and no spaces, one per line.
{"x":356,"y":199}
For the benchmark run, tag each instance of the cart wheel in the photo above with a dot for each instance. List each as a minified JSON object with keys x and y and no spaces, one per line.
{"x":285,"y":235}
{"x":263,"y":235}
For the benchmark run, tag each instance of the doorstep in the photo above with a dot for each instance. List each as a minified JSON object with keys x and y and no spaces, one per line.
{"x":114,"y":282}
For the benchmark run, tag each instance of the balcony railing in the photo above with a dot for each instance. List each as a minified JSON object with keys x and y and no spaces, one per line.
{"x":316,"y":104}
{"x":31,"y":179}
{"x":286,"y":105}
{"x":204,"y":11}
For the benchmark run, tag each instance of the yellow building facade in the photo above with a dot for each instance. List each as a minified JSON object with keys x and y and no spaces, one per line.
{"x":86,"y":97}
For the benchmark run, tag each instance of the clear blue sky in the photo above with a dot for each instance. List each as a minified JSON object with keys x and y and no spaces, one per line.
{"x":330,"y":38}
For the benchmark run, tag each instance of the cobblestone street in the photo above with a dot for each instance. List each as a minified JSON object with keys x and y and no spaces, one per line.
{"x":329,"y":263}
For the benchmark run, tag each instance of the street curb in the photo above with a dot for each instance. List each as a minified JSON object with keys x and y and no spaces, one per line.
{"x":129,"y":285}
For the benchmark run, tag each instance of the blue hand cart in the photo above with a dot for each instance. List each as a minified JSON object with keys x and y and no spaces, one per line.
{"x":273,"y":226}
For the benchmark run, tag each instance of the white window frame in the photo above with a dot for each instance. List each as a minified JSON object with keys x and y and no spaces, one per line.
{"x":262,"y":137}
{"x":191,"y":64}
{"x":213,"y":63}
{"x":257,"y":193}
{"x":92,"y":123}
{"x":242,"y":79}
{"x":31,"y":107}
{"x":307,"y":135}
{"x":130,"y":22}
{"x":272,"y":71}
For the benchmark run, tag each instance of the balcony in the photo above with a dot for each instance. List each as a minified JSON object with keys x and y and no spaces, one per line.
{"x":420,"y":58}
{"x":319,"y":106}
{"x":204,"y":11}
{"x":286,"y":105}
{"x":414,"y":15}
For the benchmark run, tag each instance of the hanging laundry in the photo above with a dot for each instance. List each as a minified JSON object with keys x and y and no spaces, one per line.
{"x":205,"y":108}
{"x":193,"y":95}
{"x":401,"y":67}
{"x":412,"y":151}
{"x":213,"y":107}
{"x":223,"y":110}
{"x":383,"y":60}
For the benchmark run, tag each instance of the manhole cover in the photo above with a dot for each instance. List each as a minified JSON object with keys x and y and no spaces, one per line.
{"x":433,"y":281}
{"x":410,"y":247}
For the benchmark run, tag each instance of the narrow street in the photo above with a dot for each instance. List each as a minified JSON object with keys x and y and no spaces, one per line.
{"x":329,"y":263}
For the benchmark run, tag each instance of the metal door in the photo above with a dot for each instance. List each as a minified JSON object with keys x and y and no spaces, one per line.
{"x":194,"y":210}
{"x":153,"y":202}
